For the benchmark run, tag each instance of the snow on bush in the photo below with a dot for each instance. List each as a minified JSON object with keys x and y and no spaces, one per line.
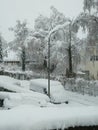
{"x":82,"y":86}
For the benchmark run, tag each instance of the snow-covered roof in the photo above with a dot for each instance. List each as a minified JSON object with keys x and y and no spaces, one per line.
{"x":11,"y":56}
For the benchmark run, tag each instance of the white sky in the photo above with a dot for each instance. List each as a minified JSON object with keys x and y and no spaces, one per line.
{"x":12,"y":10}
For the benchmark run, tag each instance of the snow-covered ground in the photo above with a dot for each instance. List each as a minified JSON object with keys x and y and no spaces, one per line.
{"x":23,"y":94}
{"x":35,"y":118}
{"x":59,"y":94}
{"x":34,"y":110}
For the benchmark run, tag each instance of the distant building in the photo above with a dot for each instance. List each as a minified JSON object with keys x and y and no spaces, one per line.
{"x":91,"y":61}
{"x":11,"y":58}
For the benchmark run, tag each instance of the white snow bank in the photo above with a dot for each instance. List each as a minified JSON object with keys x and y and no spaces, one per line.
{"x":57,"y":91}
{"x":20,"y":83}
{"x":38,"y":84}
{"x":16,"y":99}
{"x":8,"y":79}
{"x":12,"y":87}
{"x":14,"y":84}
{"x":34,"y":118}
{"x":22,"y":93}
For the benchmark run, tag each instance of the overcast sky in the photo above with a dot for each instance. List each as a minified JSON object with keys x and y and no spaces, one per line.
{"x":12,"y":10}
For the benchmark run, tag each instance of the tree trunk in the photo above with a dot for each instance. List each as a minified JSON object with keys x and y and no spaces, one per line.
{"x":23,"y":58}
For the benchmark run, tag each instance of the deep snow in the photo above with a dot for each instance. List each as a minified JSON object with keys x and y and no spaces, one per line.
{"x":34,"y":111}
{"x":35,"y":118}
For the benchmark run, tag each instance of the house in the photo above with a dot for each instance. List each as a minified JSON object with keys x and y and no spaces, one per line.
{"x":90,"y":63}
{"x":13,"y":61}
{"x":11,"y":58}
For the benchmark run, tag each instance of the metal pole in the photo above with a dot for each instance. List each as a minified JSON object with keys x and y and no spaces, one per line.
{"x":49,"y":39}
{"x":49,"y":67}
{"x":70,"y":52}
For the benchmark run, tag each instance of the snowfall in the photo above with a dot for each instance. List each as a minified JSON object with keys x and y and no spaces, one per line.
{"x":29,"y":108}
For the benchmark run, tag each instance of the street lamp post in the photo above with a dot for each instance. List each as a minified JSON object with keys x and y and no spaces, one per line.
{"x":69,"y":50}
{"x":49,"y":40}
{"x":49,"y":66}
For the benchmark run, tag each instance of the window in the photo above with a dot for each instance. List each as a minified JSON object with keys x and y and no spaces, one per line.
{"x":94,"y":58}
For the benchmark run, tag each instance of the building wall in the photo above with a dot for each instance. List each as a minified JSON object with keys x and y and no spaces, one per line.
{"x":92,"y":67}
{"x":91,"y":63}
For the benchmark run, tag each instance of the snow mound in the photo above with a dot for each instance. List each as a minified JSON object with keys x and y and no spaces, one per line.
{"x":19,"y":93}
{"x":56,"y":89}
{"x":16,"y":99}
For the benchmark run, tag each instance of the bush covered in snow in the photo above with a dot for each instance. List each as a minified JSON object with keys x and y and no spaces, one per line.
{"x":82,"y":86}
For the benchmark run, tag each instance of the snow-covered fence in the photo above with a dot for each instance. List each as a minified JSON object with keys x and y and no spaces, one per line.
{"x":82,"y":86}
